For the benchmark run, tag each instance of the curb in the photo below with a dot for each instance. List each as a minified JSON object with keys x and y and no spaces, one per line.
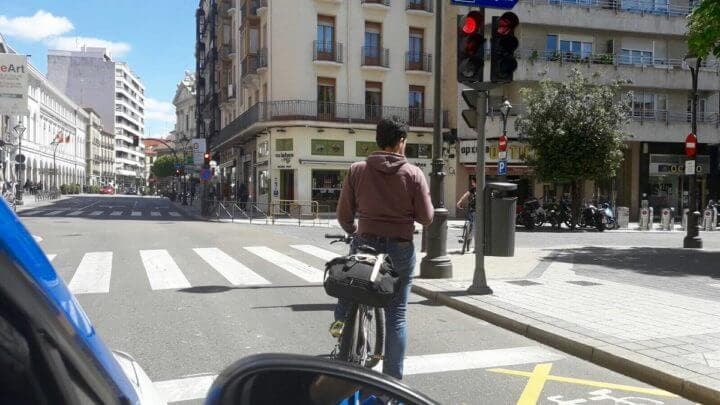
{"x":677,"y":380}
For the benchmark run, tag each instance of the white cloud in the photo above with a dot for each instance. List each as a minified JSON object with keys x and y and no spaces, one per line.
{"x":35,"y":28}
{"x":159,"y":110}
{"x":117,"y":49}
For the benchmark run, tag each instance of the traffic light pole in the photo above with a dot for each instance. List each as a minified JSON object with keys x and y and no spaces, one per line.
{"x":436,"y":263}
{"x":479,"y":285}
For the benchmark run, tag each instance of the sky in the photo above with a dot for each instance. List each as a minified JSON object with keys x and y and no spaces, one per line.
{"x":155,"y":37}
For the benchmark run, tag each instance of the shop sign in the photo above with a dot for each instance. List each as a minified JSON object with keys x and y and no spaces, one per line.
{"x":13,"y":84}
{"x":674,"y":165}
{"x":198,"y":150}
{"x":263,"y":149}
{"x":516,"y":152}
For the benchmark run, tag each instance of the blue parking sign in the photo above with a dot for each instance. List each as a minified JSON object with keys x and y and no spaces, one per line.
{"x":502,"y":167}
{"x":503,"y":4}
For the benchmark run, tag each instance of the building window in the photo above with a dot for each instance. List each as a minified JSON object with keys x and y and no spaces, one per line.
{"x":284,"y":145}
{"x":373,"y":43}
{"x":575,"y":49}
{"x":418,"y":150}
{"x":326,"y":187}
{"x":551,"y":44}
{"x":326,"y":98}
{"x":325,"y":44}
{"x":373,"y":100}
{"x":646,"y":105}
{"x":327,"y":147}
{"x":415,"y":48}
{"x":416,"y":105}
{"x":636,"y":57}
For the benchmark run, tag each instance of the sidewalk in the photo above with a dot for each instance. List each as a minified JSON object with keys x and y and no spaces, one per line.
{"x":664,"y":338}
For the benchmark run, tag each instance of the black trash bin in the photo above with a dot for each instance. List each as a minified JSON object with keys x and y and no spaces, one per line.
{"x":500,"y":207}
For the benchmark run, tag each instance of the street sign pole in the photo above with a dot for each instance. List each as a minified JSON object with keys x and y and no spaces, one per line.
{"x":479,"y":285}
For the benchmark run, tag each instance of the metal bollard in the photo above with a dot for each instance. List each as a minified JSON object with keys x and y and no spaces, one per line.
{"x":686,"y":212}
{"x":665,"y":223}
{"x":708,"y":224}
{"x":644,"y":219}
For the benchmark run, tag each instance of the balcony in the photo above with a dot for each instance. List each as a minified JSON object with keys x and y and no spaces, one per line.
{"x":301,"y":110}
{"x":419,"y":7}
{"x":231,"y":92}
{"x":262,"y":7}
{"x":375,"y":57}
{"x":262,"y":60}
{"x":665,"y":73}
{"x":641,"y":16}
{"x":328,"y":53}
{"x":654,"y":125}
{"x":249,"y":75}
{"x":376,"y":4}
{"x":228,"y":51}
{"x":418,"y":62}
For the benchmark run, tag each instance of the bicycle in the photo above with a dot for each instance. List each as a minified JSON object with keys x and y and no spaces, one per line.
{"x":361,"y":341}
{"x":467,"y":231}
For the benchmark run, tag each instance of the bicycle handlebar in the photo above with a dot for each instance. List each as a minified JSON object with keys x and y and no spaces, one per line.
{"x":335,"y":236}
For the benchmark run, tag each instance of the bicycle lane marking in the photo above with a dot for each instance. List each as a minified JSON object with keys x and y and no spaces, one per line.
{"x":541,"y":374}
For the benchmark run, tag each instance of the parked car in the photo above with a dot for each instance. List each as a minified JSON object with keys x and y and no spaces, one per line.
{"x":108,"y":189}
{"x":50,"y":352}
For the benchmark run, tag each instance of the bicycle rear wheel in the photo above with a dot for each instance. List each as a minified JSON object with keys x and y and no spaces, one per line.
{"x":362,"y":340}
{"x":467,"y":237}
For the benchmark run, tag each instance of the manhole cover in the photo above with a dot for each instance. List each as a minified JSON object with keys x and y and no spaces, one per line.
{"x":523,"y":283}
{"x":584,"y":283}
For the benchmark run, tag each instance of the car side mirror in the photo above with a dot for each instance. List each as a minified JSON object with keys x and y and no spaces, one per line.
{"x":307,"y":380}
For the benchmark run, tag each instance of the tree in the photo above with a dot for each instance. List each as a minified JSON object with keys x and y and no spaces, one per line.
{"x":164,"y":166}
{"x":574,"y":131}
{"x":704,"y":29}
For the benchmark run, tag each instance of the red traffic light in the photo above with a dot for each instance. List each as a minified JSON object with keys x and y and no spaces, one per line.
{"x":690,"y":145}
{"x":469,"y":25}
{"x":502,"y":143}
{"x":507,"y":23}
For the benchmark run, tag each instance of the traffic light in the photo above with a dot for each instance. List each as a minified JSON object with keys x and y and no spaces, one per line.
{"x":503,"y":44}
{"x":136,"y":140}
{"x":470,"y":114}
{"x":206,"y":159}
{"x":470,"y":47}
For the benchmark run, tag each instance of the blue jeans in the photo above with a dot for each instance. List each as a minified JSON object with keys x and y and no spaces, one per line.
{"x":402,"y":255}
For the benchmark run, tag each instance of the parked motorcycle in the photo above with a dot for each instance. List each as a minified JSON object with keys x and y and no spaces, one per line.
{"x":591,"y":216}
{"x":609,"y":216}
{"x":527,"y":215}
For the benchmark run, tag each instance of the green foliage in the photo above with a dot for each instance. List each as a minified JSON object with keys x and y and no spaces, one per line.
{"x":574,"y":129}
{"x":93,"y":189}
{"x":164,"y":166}
{"x":704,"y":29}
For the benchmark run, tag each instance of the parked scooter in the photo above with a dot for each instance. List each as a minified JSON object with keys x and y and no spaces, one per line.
{"x":609,"y":216}
{"x":591,"y":216}
{"x":527,"y":214}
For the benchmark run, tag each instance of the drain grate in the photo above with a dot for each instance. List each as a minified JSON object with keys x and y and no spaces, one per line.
{"x":523,"y":283}
{"x":584,"y":283}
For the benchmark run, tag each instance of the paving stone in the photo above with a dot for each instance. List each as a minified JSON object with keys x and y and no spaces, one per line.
{"x":673,"y":350}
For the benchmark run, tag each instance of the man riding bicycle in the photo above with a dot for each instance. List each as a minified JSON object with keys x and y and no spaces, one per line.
{"x":388,"y":195}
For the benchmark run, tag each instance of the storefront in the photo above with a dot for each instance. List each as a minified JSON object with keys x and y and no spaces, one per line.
{"x":307,"y":166}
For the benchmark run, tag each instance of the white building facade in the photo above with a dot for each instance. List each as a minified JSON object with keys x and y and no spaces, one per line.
{"x":302,"y":85}
{"x":53,"y":117}
{"x":116,"y":93}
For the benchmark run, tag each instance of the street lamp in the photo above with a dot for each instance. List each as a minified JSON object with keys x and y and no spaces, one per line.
{"x":20,"y":165}
{"x":692,"y":237}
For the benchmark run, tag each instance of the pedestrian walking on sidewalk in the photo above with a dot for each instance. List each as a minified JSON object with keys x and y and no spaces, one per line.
{"x":387,"y":195}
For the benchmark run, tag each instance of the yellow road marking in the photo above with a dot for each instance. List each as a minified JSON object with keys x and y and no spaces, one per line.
{"x":589,"y":383}
{"x":535,"y":384}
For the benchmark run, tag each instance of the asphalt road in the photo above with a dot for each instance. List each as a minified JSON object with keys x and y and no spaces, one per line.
{"x":187,"y":298}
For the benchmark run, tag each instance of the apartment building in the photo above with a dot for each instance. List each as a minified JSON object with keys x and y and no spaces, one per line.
{"x":300,"y":85}
{"x":608,"y":40}
{"x":54,"y":138}
{"x":90,"y":77}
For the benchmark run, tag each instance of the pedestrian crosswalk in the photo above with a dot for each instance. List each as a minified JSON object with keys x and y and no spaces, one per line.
{"x":164,"y":269}
{"x":115,"y":213}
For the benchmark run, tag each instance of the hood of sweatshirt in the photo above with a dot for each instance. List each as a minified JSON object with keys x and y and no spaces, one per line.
{"x":386,"y":162}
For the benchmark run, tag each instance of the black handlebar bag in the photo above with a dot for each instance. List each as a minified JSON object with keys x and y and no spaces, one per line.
{"x":366,"y":279}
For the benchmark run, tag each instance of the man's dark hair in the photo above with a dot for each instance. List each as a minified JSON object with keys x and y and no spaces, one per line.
{"x":390,"y":131}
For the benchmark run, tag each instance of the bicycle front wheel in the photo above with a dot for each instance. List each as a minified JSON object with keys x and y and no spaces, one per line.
{"x":467,"y":237}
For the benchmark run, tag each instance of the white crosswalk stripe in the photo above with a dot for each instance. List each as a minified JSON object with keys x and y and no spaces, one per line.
{"x":174,"y":214}
{"x":154,"y":214}
{"x":316,"y":251}
{"x":287,"y":263}
{"x":93,"y":274}
{"x":52,"y":213}
{"x":136,"y":214}
{"x":96,"y":213}
{"x":75,"y":213}
{"x":162,"y":271}
{"x":116,"y":213}
{"x":235,"y":272}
